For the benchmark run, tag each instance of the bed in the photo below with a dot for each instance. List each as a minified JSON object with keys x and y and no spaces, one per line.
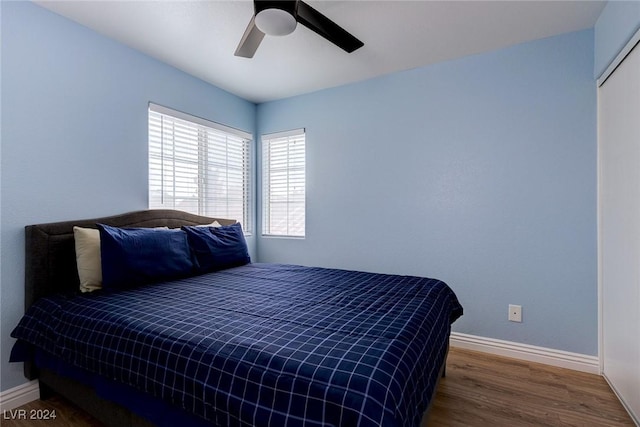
{"x":244,"y":345}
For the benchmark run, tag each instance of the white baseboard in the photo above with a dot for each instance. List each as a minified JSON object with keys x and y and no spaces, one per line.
{"x":18,"y":396}
{"x":530,"y":353}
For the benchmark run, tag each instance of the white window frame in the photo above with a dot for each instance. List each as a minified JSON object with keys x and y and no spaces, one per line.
{"x":185,"y":153}
{"x":284,"y":184}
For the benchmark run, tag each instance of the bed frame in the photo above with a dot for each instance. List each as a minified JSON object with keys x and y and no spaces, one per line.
{"x":50,"y":268}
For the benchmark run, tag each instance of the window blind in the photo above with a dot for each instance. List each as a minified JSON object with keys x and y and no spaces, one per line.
{"x":199,"y":166}
{"x":283,"y":167}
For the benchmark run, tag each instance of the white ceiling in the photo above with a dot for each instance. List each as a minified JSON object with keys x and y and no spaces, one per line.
{"x":200,"y":37}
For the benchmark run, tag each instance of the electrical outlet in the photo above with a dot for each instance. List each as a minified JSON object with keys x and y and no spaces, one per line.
{"x":515,"y":313}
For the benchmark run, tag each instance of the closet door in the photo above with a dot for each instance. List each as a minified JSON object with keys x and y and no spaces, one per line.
{"x":619,"y":228}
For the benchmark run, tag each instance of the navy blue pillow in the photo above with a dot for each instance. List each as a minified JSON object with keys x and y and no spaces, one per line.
{"x":133,"y":256}
{"x":216,"y":248}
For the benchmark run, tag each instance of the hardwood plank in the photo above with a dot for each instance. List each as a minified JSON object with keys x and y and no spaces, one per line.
{"x":482,"y":389}
{"x":479,"y":390}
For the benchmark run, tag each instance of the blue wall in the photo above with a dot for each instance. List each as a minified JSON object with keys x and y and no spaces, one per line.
{"x":617,"y":23}
{"x":74,"y":133}
{"x":479,"y":171}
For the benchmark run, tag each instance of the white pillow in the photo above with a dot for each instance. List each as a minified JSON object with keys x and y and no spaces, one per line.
{"x":88,"y":258}
{"x":213,"y":224}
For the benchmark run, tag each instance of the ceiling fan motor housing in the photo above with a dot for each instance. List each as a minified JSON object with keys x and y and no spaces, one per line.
{"x":276,"y":18}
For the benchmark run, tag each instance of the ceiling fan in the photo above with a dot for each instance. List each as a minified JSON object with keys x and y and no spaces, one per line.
{"x":280,"y":17}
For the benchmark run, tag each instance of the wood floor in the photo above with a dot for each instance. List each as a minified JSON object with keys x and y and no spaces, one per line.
{"x":487,"y":390}
{"x":479,"y":390}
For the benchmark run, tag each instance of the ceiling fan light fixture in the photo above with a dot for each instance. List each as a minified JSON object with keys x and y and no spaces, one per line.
{"x":275,"y":22}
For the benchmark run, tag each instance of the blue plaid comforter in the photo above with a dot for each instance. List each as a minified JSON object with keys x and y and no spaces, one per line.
{"x":263,"y":344}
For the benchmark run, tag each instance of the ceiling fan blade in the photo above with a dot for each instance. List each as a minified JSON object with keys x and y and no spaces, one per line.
{"x":316,"y":21}
{"x":250,"y":40}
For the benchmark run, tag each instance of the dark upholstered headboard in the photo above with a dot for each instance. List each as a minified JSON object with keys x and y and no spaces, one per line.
{"x":50,"y":262}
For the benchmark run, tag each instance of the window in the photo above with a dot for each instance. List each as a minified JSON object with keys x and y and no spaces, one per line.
{"x":283,"y":169}
{"x":199,"y":166}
